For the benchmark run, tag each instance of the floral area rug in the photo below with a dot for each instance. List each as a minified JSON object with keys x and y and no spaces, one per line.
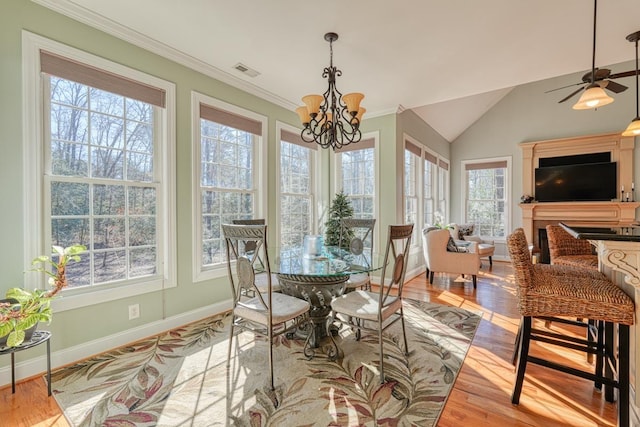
{"x":180,"y":378}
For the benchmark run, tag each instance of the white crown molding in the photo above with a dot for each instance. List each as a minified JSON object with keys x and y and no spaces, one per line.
{"x":122,"y":32}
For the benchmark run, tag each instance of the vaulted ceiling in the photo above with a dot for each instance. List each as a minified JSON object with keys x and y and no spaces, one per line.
{"x":449,"y":61}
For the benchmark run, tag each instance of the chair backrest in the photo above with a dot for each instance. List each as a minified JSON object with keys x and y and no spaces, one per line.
{"x":250,"y":246}
{"x":356,"y":235}
{"x":425,"y":250}
{"x":398,"y":244}
{"x":562,"y":243}
{"x":521,"y":259}
{"x":243,"y":282}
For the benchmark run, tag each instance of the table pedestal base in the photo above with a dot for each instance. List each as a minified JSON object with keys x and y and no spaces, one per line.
{"x":318,"y":291}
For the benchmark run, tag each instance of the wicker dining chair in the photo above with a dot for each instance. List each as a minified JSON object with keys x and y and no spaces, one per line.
{"x":267,"y":313}
{"x":383,"y":308}
{"x":357,"y":235}
{"x":564,"y":249}
{"x":550,"y":295}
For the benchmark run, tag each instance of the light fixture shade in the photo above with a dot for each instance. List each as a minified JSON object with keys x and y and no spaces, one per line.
{"x":303,"y":113}
{"x":361,"y":112}
{"x":633,"y":129}
{"x":353,"y":101}
{"x":313,"y":103}
{"x":593,"y":97}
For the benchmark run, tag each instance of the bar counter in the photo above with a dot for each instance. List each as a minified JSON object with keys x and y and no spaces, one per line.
{"x":618,"y":249}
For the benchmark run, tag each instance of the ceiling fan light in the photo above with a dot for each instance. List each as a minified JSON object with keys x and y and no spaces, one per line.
{"x":633,"y":129}
{"x":593,"y":97}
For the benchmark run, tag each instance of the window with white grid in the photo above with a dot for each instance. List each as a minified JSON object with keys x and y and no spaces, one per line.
{"x":228,"y":152}
{"x":357,"y":173}
{"x":486,"y":203}
{"x":104,"y":180}
{"x":296,"y":189}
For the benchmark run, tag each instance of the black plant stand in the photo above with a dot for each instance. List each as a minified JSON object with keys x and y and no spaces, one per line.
{"x":38,"y":338}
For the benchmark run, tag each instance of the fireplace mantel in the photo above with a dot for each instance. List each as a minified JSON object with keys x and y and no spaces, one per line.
{"x":613,"y":213}
{"x":595,"y":214}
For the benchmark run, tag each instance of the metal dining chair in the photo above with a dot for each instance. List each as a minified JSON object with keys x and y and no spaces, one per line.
{"x":266,"y":313}
{"x":249,"y":248}
{"x":384,"y":307}
{"x":356,"y":235}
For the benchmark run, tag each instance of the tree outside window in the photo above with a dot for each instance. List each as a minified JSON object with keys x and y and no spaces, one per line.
{"x":486,"y":197}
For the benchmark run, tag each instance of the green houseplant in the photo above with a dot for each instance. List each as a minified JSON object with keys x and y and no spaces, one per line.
{"x":340,"y":208}
{"x":23,"y":309}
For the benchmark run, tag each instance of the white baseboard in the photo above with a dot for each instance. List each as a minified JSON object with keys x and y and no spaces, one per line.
{"x":37,"y":365}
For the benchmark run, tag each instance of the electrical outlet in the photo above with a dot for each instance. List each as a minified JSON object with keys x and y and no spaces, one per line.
{"x":134,"y":311}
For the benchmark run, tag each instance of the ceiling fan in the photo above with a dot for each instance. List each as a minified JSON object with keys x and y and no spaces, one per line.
{"x":603,"y":78}
{"x":596,"y":80}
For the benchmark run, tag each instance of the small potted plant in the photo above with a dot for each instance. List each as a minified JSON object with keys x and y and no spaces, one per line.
{"x":23,"y":309}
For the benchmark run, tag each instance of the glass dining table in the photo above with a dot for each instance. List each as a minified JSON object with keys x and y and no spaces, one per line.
{"x":319,"y":278}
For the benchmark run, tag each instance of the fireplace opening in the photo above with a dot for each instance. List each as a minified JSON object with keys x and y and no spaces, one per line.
{"x":543,"y":245}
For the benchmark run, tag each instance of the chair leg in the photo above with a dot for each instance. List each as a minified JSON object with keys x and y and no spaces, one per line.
{"x":475,"y":281}
{"x":427,"y":272}
{"x":623,"y":375}
{"x":516,"y":346}
{"x":522,"y":359}
{"x":431,"y":277}
{"x":230,"y":340}
{"x":381,"y":354}
{"x":490,"y":261}
{"x":404,"y":334}
{"x":271,"y":359}
{"x":600,"y":355}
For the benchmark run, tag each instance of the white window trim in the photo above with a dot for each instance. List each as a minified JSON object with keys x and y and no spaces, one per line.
{"x":260,"y":180}
{"x":507,"y":190}
{"x":33,"y":133}
{"x":337,"y":179}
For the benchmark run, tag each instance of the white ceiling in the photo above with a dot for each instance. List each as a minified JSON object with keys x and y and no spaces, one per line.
{"x":449,"y":61}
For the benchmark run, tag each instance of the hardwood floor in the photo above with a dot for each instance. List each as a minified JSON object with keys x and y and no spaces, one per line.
{"x":482,"y":392}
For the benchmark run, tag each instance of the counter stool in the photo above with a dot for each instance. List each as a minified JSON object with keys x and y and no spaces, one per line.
{"x":545,"y":295}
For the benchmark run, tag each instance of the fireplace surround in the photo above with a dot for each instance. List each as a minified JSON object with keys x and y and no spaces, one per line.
{"x":537,"y":215}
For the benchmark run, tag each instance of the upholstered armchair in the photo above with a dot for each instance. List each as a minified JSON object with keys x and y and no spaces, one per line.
{"x":486,"y":248}
{"x":440,"y":260}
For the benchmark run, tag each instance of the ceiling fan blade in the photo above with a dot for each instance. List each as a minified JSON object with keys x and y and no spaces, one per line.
{"x":564,"y":87}
{"x":569,"y":96}
{"x":615,"y":87}
{"x":623,"y":74}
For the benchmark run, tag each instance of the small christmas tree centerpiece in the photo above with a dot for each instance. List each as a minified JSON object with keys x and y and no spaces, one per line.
{"x":339,"y":208}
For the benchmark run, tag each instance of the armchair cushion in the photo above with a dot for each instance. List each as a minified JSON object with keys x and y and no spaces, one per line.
{"x":451,"y":245}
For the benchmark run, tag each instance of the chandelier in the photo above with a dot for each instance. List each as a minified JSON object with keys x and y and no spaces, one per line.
{"x":331,"y":119}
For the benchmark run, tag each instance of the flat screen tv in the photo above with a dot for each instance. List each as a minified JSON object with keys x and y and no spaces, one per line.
{"x":574,"y":183}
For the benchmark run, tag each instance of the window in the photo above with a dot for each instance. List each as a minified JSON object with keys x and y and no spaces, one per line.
{"x":486,"y":203}
{"x":297,"y":188}
{"x":426,"y":188}
{"x":228,"y":171}
{"x":356,"y":163}
{"x":429,"y":182}
{"x":443,"y":188}
{"x":412,"y":154}
{"x":105,"y":182}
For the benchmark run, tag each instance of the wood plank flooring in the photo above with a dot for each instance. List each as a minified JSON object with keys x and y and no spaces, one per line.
{"x":482,"y":392}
